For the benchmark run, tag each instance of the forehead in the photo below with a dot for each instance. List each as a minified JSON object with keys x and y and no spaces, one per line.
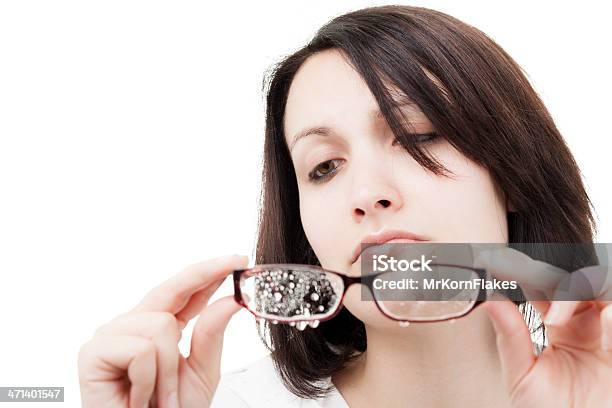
{"x":328,"y":92}
{"x":327,"y":75}
{"x":325,"y":89}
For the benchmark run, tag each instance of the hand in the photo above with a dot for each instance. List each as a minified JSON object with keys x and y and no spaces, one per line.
{"x":134,"y":360}
{"x":575,"y":370}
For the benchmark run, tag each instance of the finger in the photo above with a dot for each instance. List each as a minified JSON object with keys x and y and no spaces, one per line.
{"x":600,"y":279}
{"x":513,"y":341}
{"x":560,"y":312}
{"x":603,"y":304}
{"x":162,"y":328}
{"x":141,"y":373}
{"x":509,"y":264}
{"x":588,"y":283}
{"x":106,"y":358}
{"x":606,"y":328}
{"x":172,"y":295}
{"x":196,"y":303}
{"x":207,"y":337}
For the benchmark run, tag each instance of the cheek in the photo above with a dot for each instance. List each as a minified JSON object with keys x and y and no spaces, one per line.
{"x":320,"y":222}
{"x":478,"y":210}
{"x":477,"y":213}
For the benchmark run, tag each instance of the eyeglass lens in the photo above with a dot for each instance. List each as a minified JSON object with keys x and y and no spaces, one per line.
{"x":291,"y":294}
{"x":303,"y":296}
{"x":437,"y":294}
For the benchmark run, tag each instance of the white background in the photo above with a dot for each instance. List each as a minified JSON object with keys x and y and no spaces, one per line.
{"x":130,"y":147}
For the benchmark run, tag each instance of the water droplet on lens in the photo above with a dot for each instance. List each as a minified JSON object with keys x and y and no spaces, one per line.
{"x":301,"y":325}
{"x":404,"y":323}
{"x":321,"y":308}
{"x":314,"y":324}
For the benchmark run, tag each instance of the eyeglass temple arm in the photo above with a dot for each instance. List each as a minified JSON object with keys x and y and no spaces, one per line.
{"x":237,"y":291}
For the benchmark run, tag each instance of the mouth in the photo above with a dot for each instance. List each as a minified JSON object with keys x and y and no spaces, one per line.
{"x":383,"y":237}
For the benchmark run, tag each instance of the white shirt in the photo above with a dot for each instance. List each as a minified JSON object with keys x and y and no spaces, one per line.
{"x":257,"y":385}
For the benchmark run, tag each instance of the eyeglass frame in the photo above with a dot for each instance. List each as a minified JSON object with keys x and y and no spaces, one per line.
{"x":347,"y":281}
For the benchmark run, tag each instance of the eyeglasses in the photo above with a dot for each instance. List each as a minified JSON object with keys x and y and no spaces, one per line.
{"x":305,"y":295}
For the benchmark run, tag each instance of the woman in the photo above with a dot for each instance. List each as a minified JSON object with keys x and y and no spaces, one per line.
{"x":392,"y":120}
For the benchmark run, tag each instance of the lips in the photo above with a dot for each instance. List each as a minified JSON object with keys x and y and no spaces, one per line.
{"x":383,"y":237}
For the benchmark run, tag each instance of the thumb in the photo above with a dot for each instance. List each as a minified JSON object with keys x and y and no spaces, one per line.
{"x":513,"y":341}
{"x":207,"y":337}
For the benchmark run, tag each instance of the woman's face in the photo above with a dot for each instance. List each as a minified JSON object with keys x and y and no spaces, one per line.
{"x":355,"y":180}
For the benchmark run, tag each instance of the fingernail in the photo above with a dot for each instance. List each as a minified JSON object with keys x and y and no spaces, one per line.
{"x":173,"y":400}
{"x":553,"y":315}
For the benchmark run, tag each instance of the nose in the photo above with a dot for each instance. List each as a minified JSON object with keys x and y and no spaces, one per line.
{"x":373,"y":197}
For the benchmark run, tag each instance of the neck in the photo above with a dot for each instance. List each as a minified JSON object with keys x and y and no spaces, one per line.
{"x":428,"y":364}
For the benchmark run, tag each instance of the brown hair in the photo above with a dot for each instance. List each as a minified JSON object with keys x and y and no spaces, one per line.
{"x":485,"y":108}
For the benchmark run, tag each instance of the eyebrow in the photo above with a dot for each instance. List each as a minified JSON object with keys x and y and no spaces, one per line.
{"x":315,"y":130}
{"x":327,"y":131}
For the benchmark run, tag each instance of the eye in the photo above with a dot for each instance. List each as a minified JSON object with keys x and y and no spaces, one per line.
{"x":420,"y":138}
{"x":324,"y":170}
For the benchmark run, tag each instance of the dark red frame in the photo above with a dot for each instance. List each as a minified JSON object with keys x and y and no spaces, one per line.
{"x":350,"y":280}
